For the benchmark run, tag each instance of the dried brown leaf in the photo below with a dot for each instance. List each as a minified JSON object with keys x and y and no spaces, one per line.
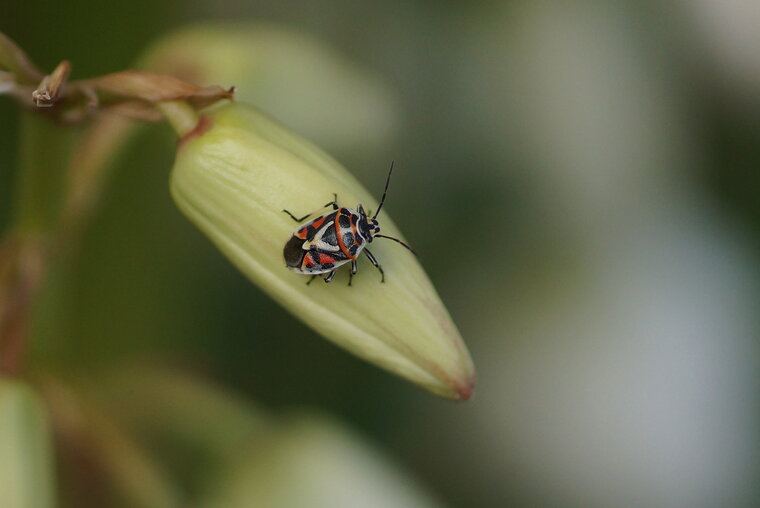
{"x":51,"y":86}
{"x":154,"y":87}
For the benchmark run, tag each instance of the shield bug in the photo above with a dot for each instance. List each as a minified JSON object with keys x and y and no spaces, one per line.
{"x":331,"y":240}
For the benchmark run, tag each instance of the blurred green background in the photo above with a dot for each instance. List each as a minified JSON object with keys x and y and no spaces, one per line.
{"x":589,"y":170}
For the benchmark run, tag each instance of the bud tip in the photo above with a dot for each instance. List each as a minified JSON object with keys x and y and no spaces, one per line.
{"x":465,"y":390}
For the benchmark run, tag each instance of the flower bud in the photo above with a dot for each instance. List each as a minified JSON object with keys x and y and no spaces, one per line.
{"x":297,"y":78}
{"x":233,"y":176}
{"x":26,"y":459}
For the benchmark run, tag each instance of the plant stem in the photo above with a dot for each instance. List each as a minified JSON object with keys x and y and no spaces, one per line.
{"x":180,"y":115}
{"x":22,"y":266}
{"x":44,"y":152}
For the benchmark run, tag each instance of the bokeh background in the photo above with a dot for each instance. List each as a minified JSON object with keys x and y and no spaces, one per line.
{"x":579,"y":178}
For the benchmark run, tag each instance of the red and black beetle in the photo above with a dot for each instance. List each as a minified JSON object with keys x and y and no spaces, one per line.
{"x":325,"y":243}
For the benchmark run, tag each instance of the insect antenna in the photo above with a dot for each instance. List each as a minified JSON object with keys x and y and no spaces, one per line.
{"x":385,"y":191}
{"x":397,"y":241}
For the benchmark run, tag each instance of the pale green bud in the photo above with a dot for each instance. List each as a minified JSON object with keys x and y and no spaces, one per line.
{"x":235,"y":174}
{"x":26,"y":458}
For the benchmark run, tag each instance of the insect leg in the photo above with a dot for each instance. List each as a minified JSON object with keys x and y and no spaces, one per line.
{"x":333,"y":204}
{"x":330,"y":276}
{"x":352,"y":272}
{"x":373,"y":260}
{"x":296,"y":218}
{"x":311,"y":279}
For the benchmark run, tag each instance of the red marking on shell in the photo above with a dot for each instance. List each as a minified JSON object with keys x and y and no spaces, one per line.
{"x":339,"y":234}
{"x":324,"y":259}
{"x":318,"y":222}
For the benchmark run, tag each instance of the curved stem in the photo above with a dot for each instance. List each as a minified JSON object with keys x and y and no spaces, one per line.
{"x":21,"y":271}
{"x":180,"y":115}
{"x":44,"y":150}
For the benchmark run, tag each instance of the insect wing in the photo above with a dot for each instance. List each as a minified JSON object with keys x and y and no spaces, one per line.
{"x":293,"y":252}
{"x":324,"y":240}
{"x":316,"y":262}
{"x":310,"y":229}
